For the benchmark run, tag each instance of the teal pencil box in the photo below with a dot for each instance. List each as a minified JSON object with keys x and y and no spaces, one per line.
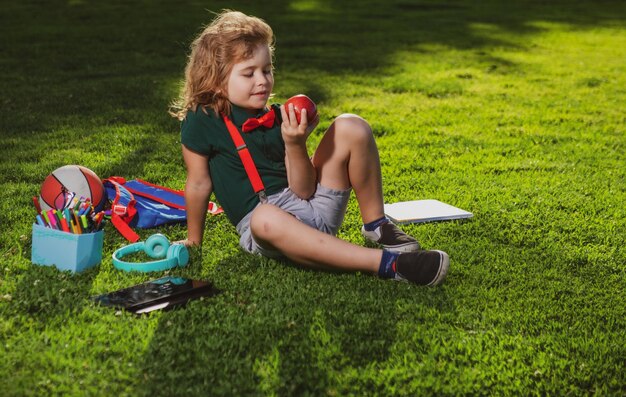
{"x":66,"y":251}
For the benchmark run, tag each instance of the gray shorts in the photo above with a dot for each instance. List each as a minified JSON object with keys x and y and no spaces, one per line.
{"x":324,"y":211}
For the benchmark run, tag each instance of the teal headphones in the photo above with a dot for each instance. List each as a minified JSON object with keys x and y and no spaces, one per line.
{"x":156,"y":246}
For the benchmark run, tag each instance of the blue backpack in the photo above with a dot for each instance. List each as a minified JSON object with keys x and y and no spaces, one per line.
{"x":144,"y":205}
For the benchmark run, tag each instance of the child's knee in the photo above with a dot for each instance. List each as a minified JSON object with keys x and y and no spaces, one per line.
{"x":263,"y":222}
{"x":353,"y":126}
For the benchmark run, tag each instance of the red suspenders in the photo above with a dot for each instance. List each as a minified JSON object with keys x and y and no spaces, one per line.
{"x":246,"y":159}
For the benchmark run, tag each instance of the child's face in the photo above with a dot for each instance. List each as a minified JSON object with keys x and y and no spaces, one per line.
{"x":251,"y":81}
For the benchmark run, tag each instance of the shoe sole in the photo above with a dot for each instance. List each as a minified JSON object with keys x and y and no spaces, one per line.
{"x":444,"y":264}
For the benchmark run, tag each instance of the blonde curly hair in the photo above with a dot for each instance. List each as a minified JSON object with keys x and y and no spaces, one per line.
{"x":230,"y":38}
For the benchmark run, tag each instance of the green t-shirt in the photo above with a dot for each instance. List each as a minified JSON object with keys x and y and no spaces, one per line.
{"x":206,"y":134}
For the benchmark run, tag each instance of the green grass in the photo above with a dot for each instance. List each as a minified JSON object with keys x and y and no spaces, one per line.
{"x":514,"y":112}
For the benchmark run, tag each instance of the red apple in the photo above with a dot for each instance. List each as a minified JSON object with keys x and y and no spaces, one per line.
{"x":302,"y":102}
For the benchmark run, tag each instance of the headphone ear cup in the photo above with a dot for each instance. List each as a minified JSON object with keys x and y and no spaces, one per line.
{"x":156,"y":246}
{"x":179,"y":253}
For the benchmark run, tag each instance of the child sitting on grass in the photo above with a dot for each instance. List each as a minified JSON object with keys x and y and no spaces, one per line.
{"x":228,"y":80}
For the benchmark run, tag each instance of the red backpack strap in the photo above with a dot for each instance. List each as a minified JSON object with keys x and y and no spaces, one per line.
{"x":125,"y":230}
{"x":122,"y":215}
{"x":212,"y":208}
{"x":246,"y":159}
{"x":156,"y":198}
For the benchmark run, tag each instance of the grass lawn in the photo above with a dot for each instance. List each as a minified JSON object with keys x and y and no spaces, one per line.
{"x":514,"y":111}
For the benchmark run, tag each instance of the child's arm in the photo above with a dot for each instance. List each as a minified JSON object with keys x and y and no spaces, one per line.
{"x":198,"y":189}
{"x":301,"y":174}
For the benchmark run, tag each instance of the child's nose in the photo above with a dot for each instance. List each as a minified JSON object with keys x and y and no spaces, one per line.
{"x":263,"y":79}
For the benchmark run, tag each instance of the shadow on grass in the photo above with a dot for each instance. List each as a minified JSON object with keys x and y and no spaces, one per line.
{"x":280,"y":329}
{"x":114,"y":61}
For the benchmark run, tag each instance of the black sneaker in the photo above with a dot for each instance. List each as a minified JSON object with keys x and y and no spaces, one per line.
{"x":423,"y":267}
{"x":391,"y":238}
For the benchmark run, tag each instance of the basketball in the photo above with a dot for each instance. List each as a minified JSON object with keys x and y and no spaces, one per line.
{"x":58,"y":187}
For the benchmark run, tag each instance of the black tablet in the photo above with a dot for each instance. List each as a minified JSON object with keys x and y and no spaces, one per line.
{"x":163,"y":293}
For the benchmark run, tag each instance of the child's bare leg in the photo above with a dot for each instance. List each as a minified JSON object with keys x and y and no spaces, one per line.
{"x":276,"y":229}
{"x":347,"y":157}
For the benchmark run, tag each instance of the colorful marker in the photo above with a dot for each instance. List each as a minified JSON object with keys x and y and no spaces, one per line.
{"x":83,"y":219}
{"x":76,"y":227}
{"x":40,"y":221}
{"x":52,"y":219}
{"x":75,"y":203}
{"x":45,"y":217}
{"x":36,"y":204}
{"x":98,"y":219}
{"x":64,"y":225}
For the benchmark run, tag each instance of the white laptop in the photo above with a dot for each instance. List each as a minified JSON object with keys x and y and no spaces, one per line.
{"x":423,"y":211}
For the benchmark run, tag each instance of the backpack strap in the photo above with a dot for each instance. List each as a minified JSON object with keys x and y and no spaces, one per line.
{"x":139,"y":187}
{"x":246,"y":159}
{"x":131,"y":197}
{"x":122,"y":215}
{"x":164,"y":195}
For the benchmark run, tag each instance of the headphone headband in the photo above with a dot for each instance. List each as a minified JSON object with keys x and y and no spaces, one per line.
{"x":156,"y":246}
